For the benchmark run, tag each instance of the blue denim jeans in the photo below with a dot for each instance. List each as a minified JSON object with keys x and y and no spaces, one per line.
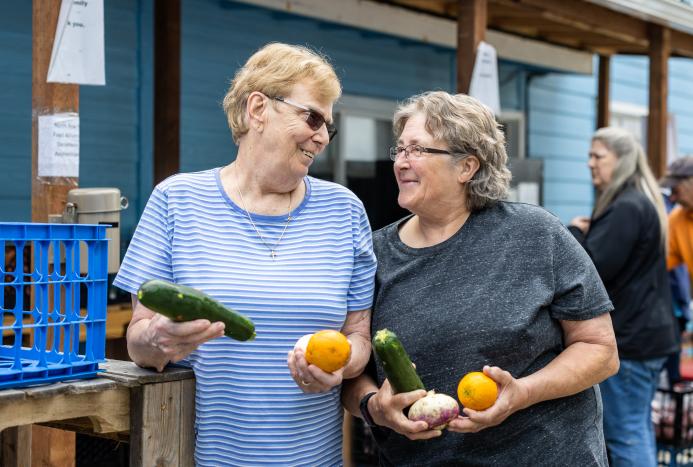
{"x":627,"y":398}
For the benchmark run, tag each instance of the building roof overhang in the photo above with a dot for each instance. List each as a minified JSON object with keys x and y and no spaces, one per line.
{"x":604,"y":27}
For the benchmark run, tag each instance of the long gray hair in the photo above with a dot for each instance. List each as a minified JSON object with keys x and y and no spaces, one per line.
{"x":631,"y":165}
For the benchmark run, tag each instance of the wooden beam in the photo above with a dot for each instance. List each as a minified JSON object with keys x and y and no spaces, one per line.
{"x":162,"y":424}
{"x":49,"y":194}
{"x":471,"y":29}
{"x":603,"y":91}
{"x":16,"y":446}
{"x":660,"y":50}
{"x":166,"y":88}
{"x":50,"y":446}
{"x":682,"y":43}
{"x":536,"y":21}
{"x":437,"y":8}
{"x":589,"y":17}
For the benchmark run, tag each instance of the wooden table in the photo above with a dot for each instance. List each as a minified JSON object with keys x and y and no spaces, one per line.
{"x":155,"y":412}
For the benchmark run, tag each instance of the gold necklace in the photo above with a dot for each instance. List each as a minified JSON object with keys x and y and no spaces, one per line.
{"x":272,"y":250}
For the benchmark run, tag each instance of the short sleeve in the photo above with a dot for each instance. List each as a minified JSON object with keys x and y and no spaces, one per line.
{"x":674,"y":251}
{"x":149,"y":253}
{"x":579,"y":293}
{"x":360,"y":294}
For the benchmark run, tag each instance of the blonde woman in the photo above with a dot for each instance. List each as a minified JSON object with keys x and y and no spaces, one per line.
{"x":292,"y":252}
{"x":626,"y":238}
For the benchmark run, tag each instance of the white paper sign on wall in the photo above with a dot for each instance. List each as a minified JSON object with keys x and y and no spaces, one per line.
{"x":58,"y":145}
{"x":78,"y":47}
{"x":484,"y":85}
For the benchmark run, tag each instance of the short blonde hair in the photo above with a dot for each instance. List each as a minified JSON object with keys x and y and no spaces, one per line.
{"x":467,"y":127}
{"x":273,"y":70}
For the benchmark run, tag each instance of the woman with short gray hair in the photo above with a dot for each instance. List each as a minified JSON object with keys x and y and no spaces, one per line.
{"x":465,"y":127}
{"x":469,"y":282}
{"x":626,"y":238}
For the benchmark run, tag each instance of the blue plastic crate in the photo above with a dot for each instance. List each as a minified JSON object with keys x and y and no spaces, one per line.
{"x":51,"y":327}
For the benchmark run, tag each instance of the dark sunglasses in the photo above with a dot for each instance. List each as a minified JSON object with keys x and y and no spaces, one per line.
{"x":315,"y":120}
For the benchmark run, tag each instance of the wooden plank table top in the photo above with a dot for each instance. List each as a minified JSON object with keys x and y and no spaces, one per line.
{"x":105,"y":400}
{"x":129,"y":374}
{"x":155,"y":411}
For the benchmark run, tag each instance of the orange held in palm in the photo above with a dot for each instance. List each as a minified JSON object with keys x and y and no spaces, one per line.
{"x":477,"y":391}
{"x":328,"y":350}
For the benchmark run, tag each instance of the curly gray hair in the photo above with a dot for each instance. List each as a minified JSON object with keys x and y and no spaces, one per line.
{"x":467,"y":127}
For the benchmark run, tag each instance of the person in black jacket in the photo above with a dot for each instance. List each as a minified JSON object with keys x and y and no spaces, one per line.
{"x":626,"y":238}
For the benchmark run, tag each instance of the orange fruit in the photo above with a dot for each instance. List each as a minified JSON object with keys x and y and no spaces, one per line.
{"x":477,"y":391}
{"x":328,"y":350}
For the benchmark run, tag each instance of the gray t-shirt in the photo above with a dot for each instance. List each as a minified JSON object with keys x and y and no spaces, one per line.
{"x":492,"y":294}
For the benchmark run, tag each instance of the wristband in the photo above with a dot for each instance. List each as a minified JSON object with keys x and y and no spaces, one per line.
{"x":365,"y":414}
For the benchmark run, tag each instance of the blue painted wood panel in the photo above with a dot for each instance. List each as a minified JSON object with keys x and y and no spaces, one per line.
{"x":219,"y":36}
{"x":561,"y":113}
{"x":15,"y":111}
{"x":111,"y":128}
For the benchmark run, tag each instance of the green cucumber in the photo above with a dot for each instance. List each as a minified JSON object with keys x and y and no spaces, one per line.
{"x":396,"y":363}
{"x":182,"y":303}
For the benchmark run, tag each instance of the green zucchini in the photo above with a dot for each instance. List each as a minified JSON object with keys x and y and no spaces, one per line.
{"x":396,"y":363}
{"x":182,"y":303}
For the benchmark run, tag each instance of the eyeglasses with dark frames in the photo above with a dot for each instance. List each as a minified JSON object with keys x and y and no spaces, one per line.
{"x":315,"y":119}
{"x":414,"y":151}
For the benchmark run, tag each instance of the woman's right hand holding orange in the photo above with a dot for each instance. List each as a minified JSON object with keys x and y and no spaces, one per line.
{"x":387,"y":409}
{"x":512,"y":396}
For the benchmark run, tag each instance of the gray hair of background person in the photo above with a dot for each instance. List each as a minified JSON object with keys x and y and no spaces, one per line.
{"x":467,"y":127}
{"x":274,"y":70}
{"x":632,"y":164}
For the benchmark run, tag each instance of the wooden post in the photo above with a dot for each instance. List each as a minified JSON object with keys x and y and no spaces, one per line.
{"x":162,"y":420}
{"x":472,"y":17}
{"x":48,"y":195}
{"x":166,"y":88}
{"x":660,"y":50}
{"x":347,"y":440}
{"x":16,"y":446}
{"x":603,"y":91}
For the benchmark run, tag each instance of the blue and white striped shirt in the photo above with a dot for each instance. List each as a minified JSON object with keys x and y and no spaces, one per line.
{"x":249,"y":410}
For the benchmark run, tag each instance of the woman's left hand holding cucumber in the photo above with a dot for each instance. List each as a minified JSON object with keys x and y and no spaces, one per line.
{"x":154,"y":340}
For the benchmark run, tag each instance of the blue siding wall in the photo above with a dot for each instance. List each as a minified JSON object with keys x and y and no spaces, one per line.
{"x":218,"y":37}
{"x":561,"y":115}
{"x":15,"y":112}
{"x":681,"y":102}
{"x":114,"y":137}
{"x":630,"y":84}
{"x":112,"y":131}
{"x":562,"y":119}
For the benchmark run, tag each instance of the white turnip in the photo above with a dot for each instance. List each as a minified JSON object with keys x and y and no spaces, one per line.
{"x":435,"y":409}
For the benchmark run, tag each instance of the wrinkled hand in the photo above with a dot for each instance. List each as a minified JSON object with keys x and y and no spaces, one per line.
{"x":512,"y":396}
{"x":308,"y":377}
{"x":387,"y":409}
{"x":582,"y":223}
{"x":177,"y":340}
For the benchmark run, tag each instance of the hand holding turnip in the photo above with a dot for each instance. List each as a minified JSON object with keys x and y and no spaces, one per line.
{"x":387,"y":408}
{"x":434,"y":409}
